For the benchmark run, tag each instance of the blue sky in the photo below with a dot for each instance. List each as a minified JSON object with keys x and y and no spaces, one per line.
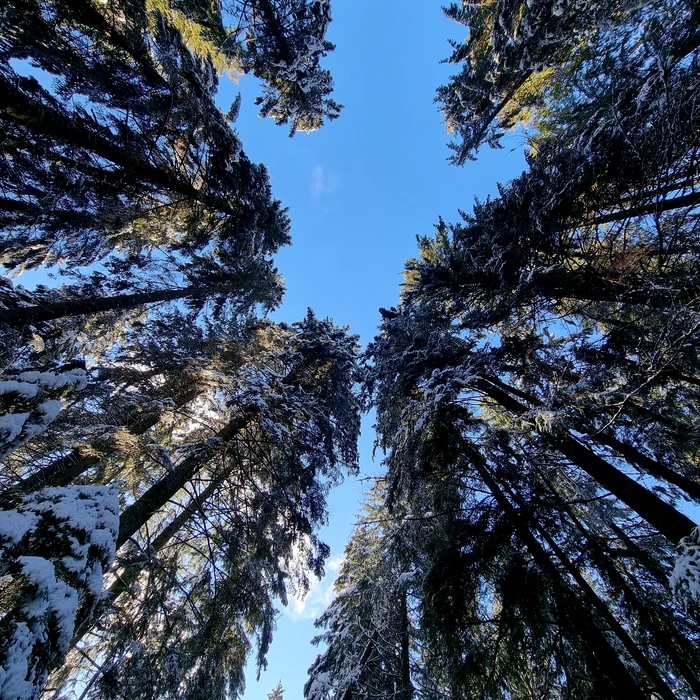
{"x":359,"y":191}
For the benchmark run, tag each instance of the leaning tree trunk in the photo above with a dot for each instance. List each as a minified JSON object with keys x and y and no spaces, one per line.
{"x":132,"y":570}
{"x":592,"y":597}
{"x":138,"y":513}
{"x":663,"y":517}
{"x":631,"y":454}
{"x":680,"y":652}
{"x":615,"y":673}
{"x":62,"y":471}
{"x":405,"y":686}
{"x":25,"y":315}
{"x":39,"y":118}
{"x":587,"y":286}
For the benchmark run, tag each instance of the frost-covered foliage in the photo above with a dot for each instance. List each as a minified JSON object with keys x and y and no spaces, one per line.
{"x":38,"y":370}
{"x":54,"y":547}
{"x":502,"y":441}
{"x":685,"y":578}
{"x":30,"y":401}
{"x":543,"y":64}
{"x":117,"y":175}
{"x":223,"y":515}
{"x":285,"y":43}
{"x":369,"y":639}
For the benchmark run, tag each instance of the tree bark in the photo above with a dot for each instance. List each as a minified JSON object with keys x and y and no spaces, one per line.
{"x":660,"y":685}
{"x":17,"y":107}
{"x":584,"y":285}
{"x":630,"y":453}
{"x":649,"y":209}
{"x":406,"y":689}
{"x":675,"y":646}
{"x":25,"y":315}
{"x":616,"y":674}
{"x":131,"y":571}
{"x":137,"y":514}
{"x":62,"y":471}
{"x":659,"y":514}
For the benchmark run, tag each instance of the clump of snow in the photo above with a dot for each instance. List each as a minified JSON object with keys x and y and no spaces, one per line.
{"x":15,"y":526}
{"x":30,"y":402}
{"x":407,"y":577}
{"x":685,"y":578}
{"x":54,"y":547}
{"x":320,"y":685}
{"x":11,"y":425}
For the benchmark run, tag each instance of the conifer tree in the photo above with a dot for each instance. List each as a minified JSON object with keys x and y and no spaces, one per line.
{"x":223,"y":520}
{"x":277,"y":692}
{"x":54,"y":548}
{"x":221,"y":432}
{"x":543,"y":515}
{"x":147,"y":160}
{"x":368,"y":637}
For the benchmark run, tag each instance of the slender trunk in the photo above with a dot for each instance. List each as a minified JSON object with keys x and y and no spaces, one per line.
{"x":649,"y":465}
{"x":615,"y":673}
{"x":675,"y":646}
{"x":682,"y":181}
{"x":25,"y":315}
{"x":587,"y":286}
{"x":649,"y":209}
{"x":62,"y":471}
{"x":40,"y":118}
{"x":661,"y":687}
{"x":86,"y":12}
{"x":406,"y":689}
{"x":487,"y":120}
{"x":630,"y":453}
{"x":663,"y":517}
{"x":347,"y":694}
{"x":16,"y":106}
{"x":132,"y":570}
{"x":137,"y":514}
{"x":272,"y":25}
{"x":127,"y":577}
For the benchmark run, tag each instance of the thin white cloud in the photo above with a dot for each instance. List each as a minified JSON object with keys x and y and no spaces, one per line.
{"x":318,"y":597}
{"x":318,"y":178}
{"x":323,"y":181}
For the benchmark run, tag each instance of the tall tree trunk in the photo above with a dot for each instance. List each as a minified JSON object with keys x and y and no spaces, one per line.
{"x":137,"y":514}
{"x":649,"y":465}
{"x":366,"y":654}
{"x":648,"y":209}
{"x":615,"y":673}
{"x":589,"y":594}
{"x":131,"y":572}
{"x":17,"y":107}
{"x":25,"y":315}
{"x":665,"y":518}
{"x":675,"y":646}
{"x":272,"y":24}
{"x":62,"y":471}
{"x":86,"y":13}
{"x":128,"y":576}
{"x":583,"y":285}
{"x":630,"y":453}
{"x":406,"y":688}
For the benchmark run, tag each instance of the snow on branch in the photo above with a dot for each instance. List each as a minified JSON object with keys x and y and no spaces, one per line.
{"x":685,"y":578}
{"x":54,"y":548}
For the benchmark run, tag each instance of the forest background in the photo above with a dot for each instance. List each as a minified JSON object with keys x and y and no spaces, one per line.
{"x":535,"y":385}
